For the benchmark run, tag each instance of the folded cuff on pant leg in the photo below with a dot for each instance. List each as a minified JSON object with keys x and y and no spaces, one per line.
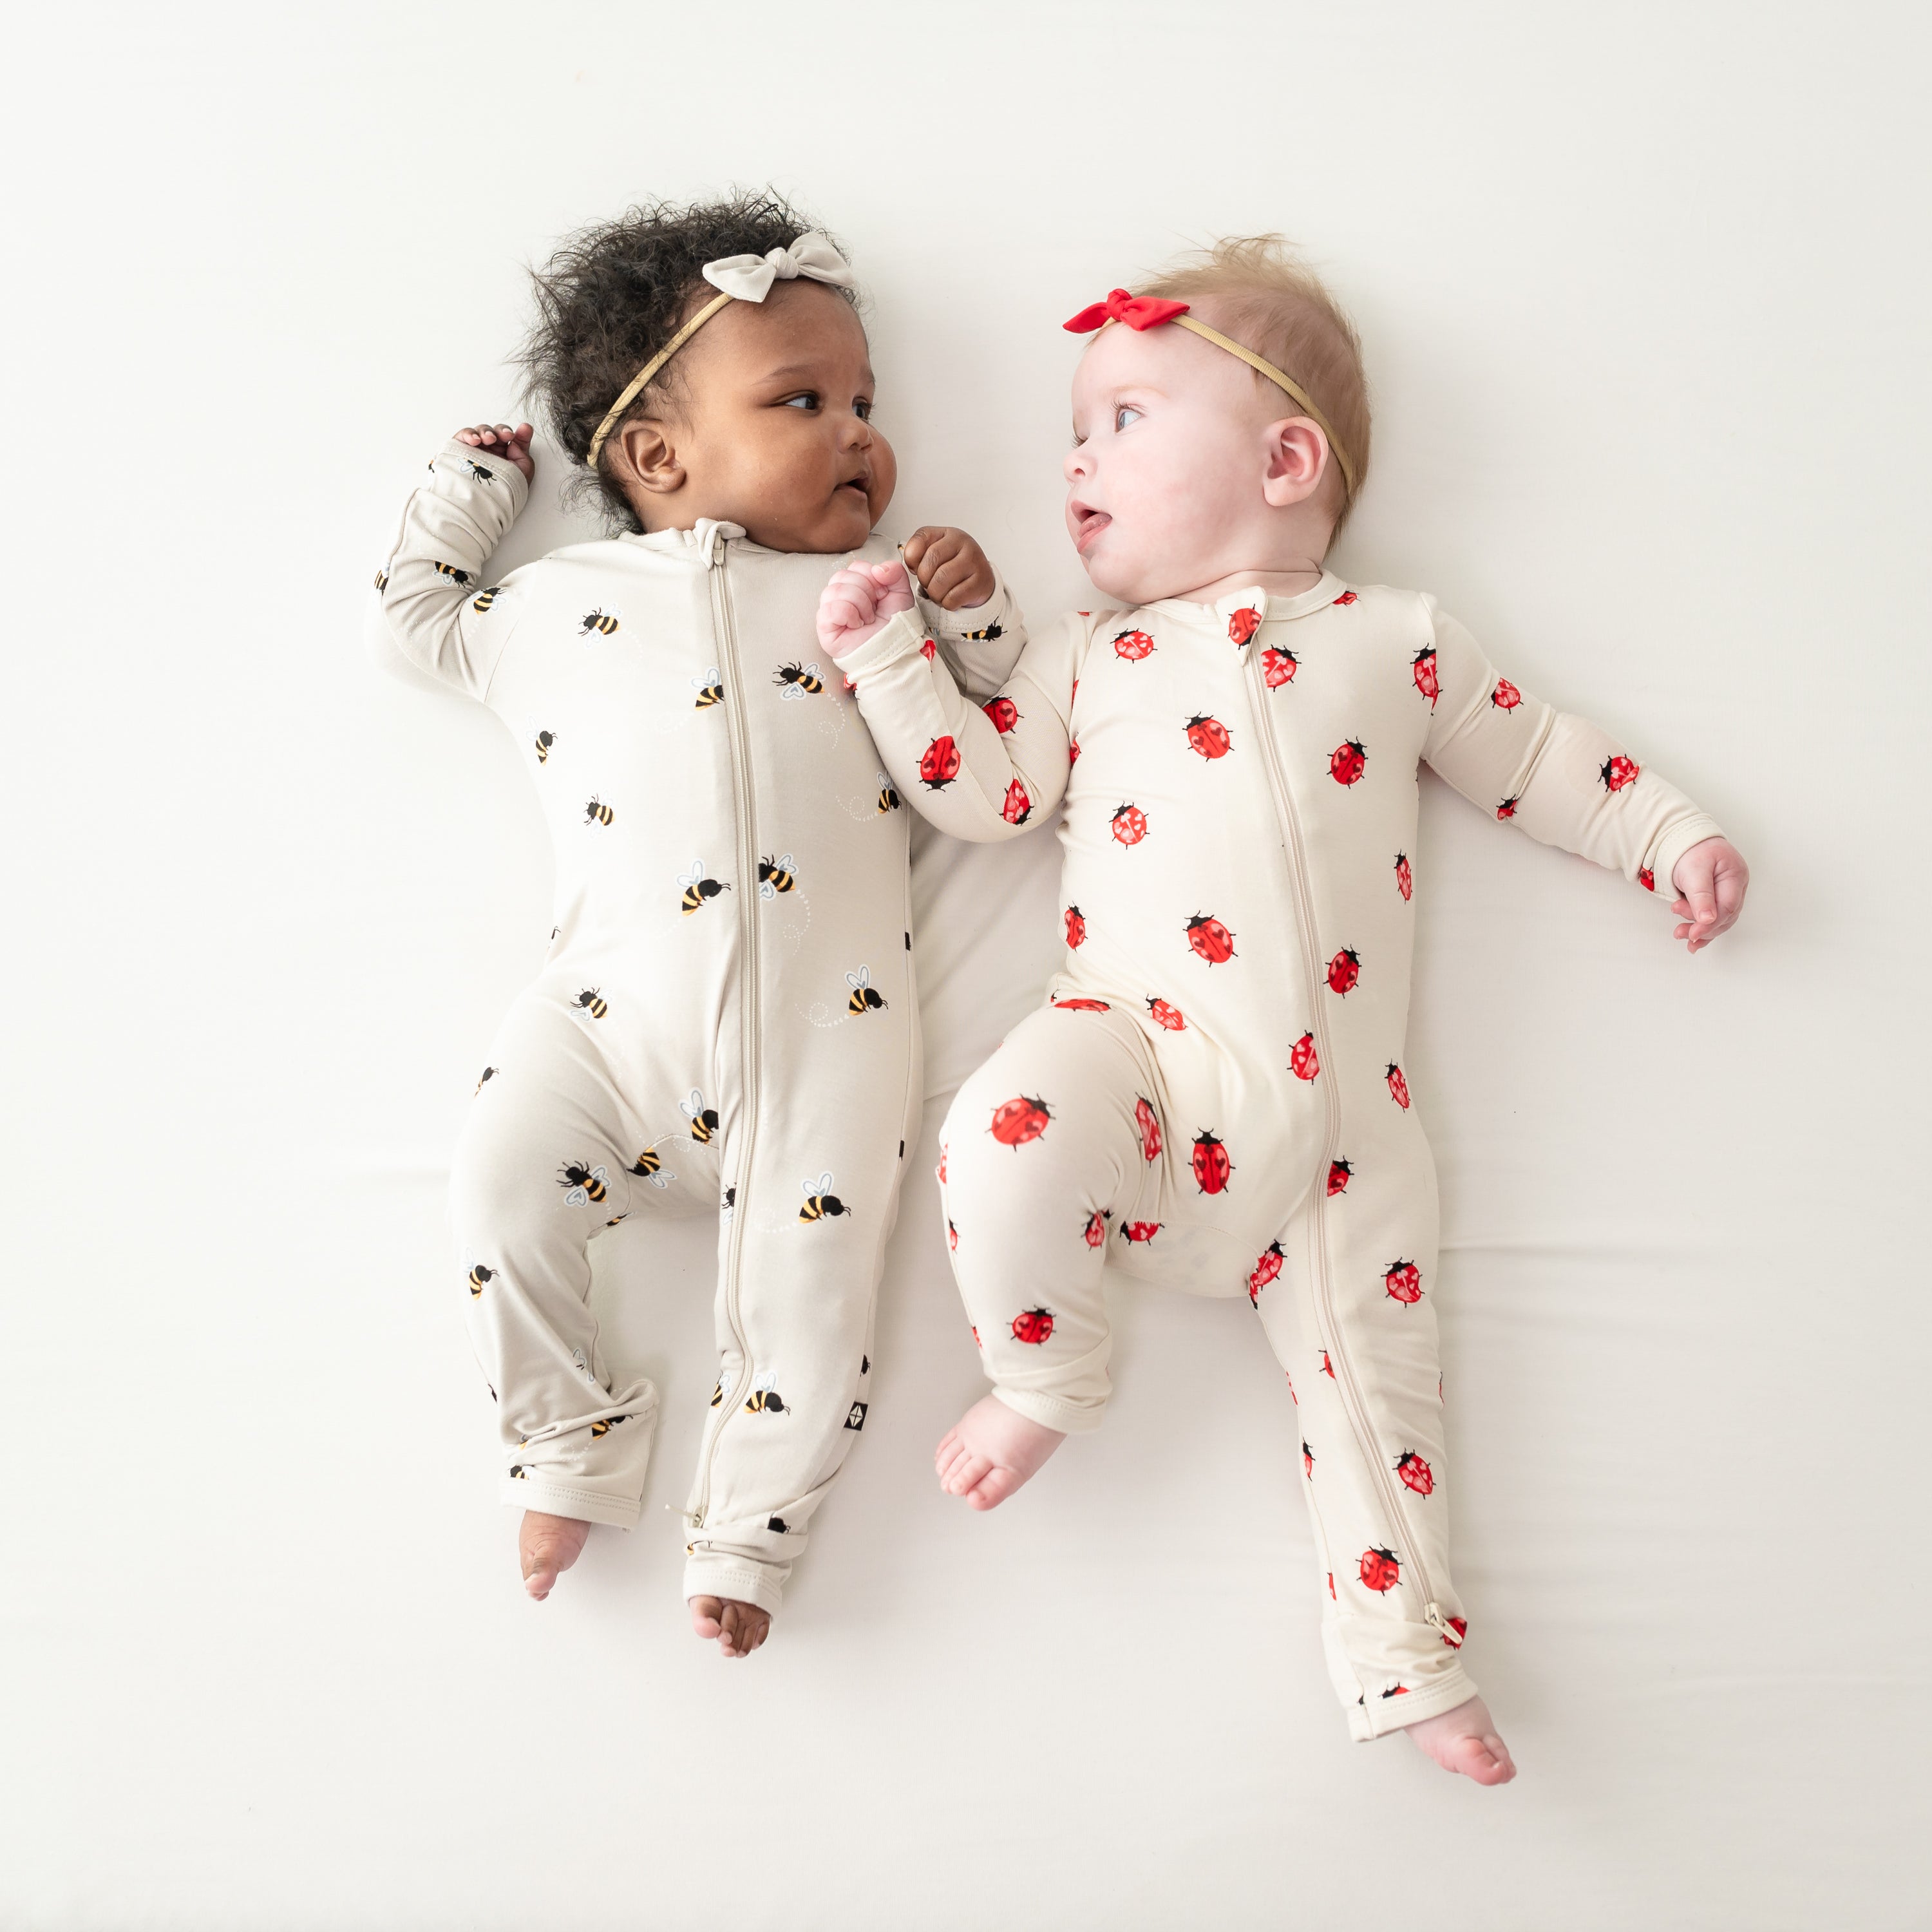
{"x":532,"y":1493}
{"x":708,"y":1576}
{"x":1053,"y":1411}
{"x":1376,"y":1716}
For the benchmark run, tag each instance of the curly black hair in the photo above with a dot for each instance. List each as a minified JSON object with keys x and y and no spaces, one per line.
{"x":613,"y":295}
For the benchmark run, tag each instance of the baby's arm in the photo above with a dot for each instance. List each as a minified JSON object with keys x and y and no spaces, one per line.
{"x":1565,"y":781}
{"x":979,"y":771}
{"x":968,"y":611}
{"x":432,"y":586}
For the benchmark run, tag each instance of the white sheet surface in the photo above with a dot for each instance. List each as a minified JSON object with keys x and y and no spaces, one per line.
{"x":1645,"y":297}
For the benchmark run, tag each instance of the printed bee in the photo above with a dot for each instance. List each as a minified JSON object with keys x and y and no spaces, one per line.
{"x":864,"y":998}
{"x":606,"y":1425}
{"x":625,"y":1217}
{"x":763,"y":1399}
{"x":775,"y":876}
{"x":449,"y":570}
{"x":724,"y":1388}
{"x":484,"y":598}
{"x":545,"y":740}
{"x":480,"y":1278}
{"x":889,"y":799}
{"x":381,"y":582}
{"x":795,"y":679}
{"x":520,"y":1470}
{"x":477,"y":470}
{"x":591,"y":1002}
{"x":597,"y":812}
{"x":488,"y":1073}
{"x":710,"y":690}
{"x":819,"y":1200}
{"x":986,"y":636}
{"x":585,"y":1183}
{"x":778,"y":1526}
{"x":697,"y":888}
{"x":603,"y":622}
{"x":650,"y":1165}
{"x":729,"y":1205}
{"x":703,"y":1120}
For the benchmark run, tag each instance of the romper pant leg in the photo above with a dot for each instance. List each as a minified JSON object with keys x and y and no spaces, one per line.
{"x":1042,"y":1161}
{"x":545,"y":1163}
{"x":1346,"y":1294}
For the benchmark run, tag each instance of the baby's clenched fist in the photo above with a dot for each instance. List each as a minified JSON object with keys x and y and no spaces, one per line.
{"x":500,"y":440}
{"x":856,"y":603}
{"x":951,"y":568}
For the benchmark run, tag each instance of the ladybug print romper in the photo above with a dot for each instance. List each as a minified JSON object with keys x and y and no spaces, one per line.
{"x":731,"y":934}
{"x":1213,"y":1095}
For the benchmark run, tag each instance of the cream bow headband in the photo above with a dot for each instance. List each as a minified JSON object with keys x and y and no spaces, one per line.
{"x":738,"y":278}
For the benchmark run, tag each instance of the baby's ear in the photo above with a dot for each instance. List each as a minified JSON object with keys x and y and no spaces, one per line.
{"x":1297,"y":458}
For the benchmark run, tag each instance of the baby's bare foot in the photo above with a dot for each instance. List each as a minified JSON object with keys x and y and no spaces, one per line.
{"x":991,"y":1451}
{"x":738,"y":1628}
{"x":548,"y":1546}
{"x":1464,"y":1740}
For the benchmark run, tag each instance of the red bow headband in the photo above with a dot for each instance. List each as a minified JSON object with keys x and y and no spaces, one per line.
{"x":1145,"y":312}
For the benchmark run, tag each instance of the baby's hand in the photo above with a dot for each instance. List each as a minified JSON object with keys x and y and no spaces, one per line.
{"x":1710,"y":880}
{"x":502,"y":440}
{"x":951,"y":568}
{"x":856,"y":603}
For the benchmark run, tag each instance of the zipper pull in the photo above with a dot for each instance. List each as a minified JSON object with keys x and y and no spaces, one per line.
{"x":1432,"y":1614}
{"x":717,"y":545}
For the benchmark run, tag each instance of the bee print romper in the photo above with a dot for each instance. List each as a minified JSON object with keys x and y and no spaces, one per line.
{"x":1213,"y":1096}
{"x":726,"y":1022}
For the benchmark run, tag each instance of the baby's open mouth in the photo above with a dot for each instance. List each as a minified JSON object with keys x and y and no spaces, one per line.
{"x":1087,"y":524}
{"x":857,"y":483}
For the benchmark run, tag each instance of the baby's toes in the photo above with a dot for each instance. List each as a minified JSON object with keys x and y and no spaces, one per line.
{"x":992,"y":1487}
{"x":966,"y":1473}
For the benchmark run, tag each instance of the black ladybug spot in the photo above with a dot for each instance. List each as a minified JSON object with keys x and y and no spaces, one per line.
{"x":777,"y":1525}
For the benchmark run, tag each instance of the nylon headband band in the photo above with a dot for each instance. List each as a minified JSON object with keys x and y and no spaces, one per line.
{"x":656,"y":363}
{"x":1274,"y":375}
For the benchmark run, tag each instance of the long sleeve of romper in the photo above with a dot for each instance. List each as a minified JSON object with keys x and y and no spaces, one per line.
{"x":1561,"y":778}
{"x":977,"y":768}
{"x":433,"y":587}
{"x":980,"y":645}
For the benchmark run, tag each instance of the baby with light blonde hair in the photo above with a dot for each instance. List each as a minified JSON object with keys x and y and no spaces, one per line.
{"x":1214,"y":1095}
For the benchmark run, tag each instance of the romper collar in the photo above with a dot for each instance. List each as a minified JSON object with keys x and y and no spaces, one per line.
{"x":1272,"y":606}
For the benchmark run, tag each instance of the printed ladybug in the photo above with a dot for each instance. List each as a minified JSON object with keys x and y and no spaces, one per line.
{"x":1344,"y":970}
{"x":941,"y":1169}
{"x":1380,"y":1571}
{"x":1076,"y":927}
{"x":1327,"y":1366}
{"x":1019,"y":1120}
{"x":1397,"y":1691}
{"x":1242,"y":626}
{"x":1210,"y":939}
{"x":1035,"y":1325}
{"x":1347,"y":597}
{"x":1415,"y":1472}
{"x":952,"y":1242}
{"x":1340,"y":1173}
{"x":976,"y":1342}
{"x":1129,"y":824}
{"x":1460,"y":1625}
{"x":1278,"y":668}
{"x":1422,"y":668}
{"x":1018,"y":807}
{"x":1163,"y":1014}
{"x":1072,"y":751}
{"x":1140,"y":1230}
{"x":1307,"y":1461}
{"x":1331,"y":1585}
{"x":1648,"y":880}
{"x":1405,"y":883}
{"x":1212,"y":1167}
{"x":1505,"y":697}
{"x":1302,"y":1061}
{"x":1507,"y":808}
{"x":1397,"y":1086}
{"x":1347,"y":762}
{"x":1004,"y":713}
{"x":1265,"y":1269}
{"x":1208,"y":735}
{"x":1618,"y":773}
{"x":940,"y":766}
{"x":1403,"y":1281}
{"x":926,"y":649}
{"x":1083,"y":1005}
{"x":1292,"y":1395}
{"x":1132,"y":645}
{"x":1096,"y":1232}
{"x":1150,"y":1126}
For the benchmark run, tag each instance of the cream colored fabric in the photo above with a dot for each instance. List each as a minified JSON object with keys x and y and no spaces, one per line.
{"x":726,"y":1024}
{"x":1215,"y":1096}
{"x":749,"y":278}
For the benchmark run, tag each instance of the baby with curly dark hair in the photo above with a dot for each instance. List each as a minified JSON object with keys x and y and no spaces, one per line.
{"x":726,"y":1022}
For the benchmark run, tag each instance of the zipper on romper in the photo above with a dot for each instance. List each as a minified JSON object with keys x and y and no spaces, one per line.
{"x":746,"y":909}
{"x":1339,"y":1359}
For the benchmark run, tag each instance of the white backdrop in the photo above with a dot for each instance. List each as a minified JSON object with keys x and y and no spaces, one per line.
{"x":1645,"y":296}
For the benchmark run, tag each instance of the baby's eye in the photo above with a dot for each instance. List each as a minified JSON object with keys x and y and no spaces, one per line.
{"x":1125,"y":414}
{"x":807,"y":399}
{"x":861,"y":408}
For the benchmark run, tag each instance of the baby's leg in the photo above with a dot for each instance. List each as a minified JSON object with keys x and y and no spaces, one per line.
{"x":1042,"y":1161}
{"x":542,"y":1168}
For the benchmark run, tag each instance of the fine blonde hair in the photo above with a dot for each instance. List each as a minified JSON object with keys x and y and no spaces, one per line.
{"x":1261,"y":295}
